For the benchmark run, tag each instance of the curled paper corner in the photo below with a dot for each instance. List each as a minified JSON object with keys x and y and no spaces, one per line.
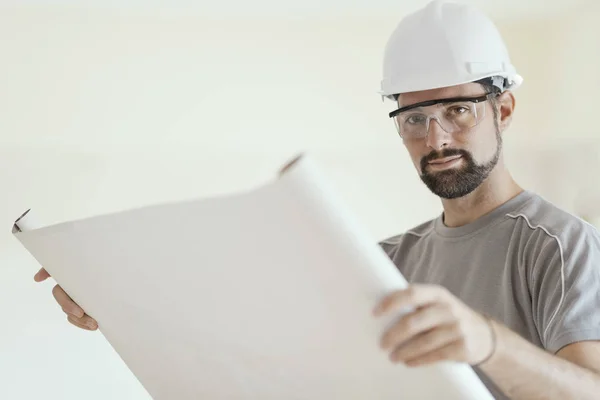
{"x":19,"y":225}
{"x":23,"y":223}
{"x":290,"y":164}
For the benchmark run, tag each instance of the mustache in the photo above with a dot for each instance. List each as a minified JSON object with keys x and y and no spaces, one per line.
{"x":435,"y":155}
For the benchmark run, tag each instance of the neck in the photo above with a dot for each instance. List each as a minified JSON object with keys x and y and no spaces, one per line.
{"x":497,"y":189}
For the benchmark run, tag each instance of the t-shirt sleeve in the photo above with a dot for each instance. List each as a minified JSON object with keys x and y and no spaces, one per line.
{"x":566,"y":289}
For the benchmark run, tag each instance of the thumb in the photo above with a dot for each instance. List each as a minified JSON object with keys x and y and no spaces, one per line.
{"x":41,"y":275}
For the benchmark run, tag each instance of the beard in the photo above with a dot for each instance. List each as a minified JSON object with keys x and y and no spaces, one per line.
{"x":458,"y":182}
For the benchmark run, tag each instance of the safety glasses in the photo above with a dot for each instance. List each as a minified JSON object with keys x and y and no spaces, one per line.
{"x":453,"y":115}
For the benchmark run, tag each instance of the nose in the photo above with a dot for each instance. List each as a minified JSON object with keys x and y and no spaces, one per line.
{"x":437,"y":137}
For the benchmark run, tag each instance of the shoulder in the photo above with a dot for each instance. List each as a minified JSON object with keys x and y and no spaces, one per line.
{"x":544,"y":218}
{"x":562,"y":255}
{"x":541,"y":225}
{"x":408,"y":238}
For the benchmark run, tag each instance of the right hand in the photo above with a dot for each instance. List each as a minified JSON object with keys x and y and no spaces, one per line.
{"x":75,"y":314}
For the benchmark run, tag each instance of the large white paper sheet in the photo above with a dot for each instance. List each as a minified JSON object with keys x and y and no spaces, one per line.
{"x":266,"y":294}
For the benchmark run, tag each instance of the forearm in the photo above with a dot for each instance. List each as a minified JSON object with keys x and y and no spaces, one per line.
{"x":523,"y":371}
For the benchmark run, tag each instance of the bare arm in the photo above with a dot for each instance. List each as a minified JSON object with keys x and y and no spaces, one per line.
{"x":441,"y":327}
{"x":523,"y":371}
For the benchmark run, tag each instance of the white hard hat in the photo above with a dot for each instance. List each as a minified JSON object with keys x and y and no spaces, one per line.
{"x":445,"y":44}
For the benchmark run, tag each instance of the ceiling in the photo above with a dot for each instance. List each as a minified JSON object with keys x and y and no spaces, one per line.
{"x":506,"y":9}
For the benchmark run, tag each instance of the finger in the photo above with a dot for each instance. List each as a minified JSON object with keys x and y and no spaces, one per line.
{"x":78,"y":322}
{"x":85,"y":320}
{"x":416,"y":323}
{"x":67,"y":304}
{"x":41,"y":275}
{"x":451,"y":351}
{"x":426,"y":342}
{"x":412,"y":297}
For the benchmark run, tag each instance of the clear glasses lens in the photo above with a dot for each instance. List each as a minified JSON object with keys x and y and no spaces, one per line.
{"x":452,"y":118}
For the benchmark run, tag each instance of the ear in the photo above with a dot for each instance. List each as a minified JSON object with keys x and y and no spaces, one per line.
{"x":506,"y":108}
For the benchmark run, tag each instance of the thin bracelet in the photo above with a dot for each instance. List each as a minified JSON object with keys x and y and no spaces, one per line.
{"x":494,"y":341}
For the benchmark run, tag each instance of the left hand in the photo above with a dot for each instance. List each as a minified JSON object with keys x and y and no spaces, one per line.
{"x":441,"y":328}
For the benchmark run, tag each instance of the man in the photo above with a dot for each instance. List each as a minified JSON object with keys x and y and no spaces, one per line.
{"x":502,"y":280}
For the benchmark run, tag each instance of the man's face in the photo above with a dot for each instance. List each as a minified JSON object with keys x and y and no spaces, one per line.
{"x":452,"y":165}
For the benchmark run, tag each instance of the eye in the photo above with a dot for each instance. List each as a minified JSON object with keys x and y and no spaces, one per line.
{"x":458,"y":110}
{"x":416,"y":119}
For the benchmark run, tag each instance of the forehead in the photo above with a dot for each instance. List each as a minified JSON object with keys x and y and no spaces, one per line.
{"x":465,"y":90}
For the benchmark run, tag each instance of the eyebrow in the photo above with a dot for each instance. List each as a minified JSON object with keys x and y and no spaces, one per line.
{"x":474,"y":99}
{"x":437,"y":101}
{"x":418,"y":108}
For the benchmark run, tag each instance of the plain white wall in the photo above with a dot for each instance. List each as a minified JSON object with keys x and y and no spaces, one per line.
{"x":104,"y":111}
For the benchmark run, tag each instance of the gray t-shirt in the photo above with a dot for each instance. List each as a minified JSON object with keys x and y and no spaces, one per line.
{"x":527,"y":264}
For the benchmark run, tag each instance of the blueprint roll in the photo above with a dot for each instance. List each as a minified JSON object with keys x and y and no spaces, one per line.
{"x":264,"y":294}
